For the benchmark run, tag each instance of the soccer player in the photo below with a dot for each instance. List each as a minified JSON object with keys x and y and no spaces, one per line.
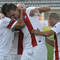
{"x":54,"y":21}
{"x":7,"y":27}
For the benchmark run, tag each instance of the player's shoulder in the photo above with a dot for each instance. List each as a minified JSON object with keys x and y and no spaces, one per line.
{"x":5,"y":19}
{"x":30,"y":8}
{"x":57,"y":24}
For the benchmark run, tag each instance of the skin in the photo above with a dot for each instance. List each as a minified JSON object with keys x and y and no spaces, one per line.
{"x":17,"y":14}
{"x":13,"y":13}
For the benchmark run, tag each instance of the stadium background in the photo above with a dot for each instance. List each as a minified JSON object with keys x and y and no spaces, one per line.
{"x":53,"y":4}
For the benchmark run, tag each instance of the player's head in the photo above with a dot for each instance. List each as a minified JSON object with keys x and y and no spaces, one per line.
{"x":10,"y":10}
{"x":53,"y":19}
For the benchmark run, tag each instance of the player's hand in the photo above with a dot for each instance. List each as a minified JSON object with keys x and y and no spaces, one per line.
{"x":35,"y":32}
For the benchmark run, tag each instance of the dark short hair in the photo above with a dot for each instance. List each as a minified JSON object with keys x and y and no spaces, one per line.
{"x":55,"y":16}
{"x":7,"y":7}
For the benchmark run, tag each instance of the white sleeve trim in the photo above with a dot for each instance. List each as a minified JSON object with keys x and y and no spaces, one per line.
{"x":13,"y":24}
{"x":54,"y":30}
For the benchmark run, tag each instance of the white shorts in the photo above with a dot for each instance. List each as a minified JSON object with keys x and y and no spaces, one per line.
{"x":27,"y":54}
{"x":15,"y":57}
{"x":10,"y":57}
{"x":35,"y":53}
{"x":4,"y":57}
{"x":40,"y":52}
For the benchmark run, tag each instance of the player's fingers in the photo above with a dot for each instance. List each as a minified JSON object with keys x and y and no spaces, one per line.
{"x":33,"y":31}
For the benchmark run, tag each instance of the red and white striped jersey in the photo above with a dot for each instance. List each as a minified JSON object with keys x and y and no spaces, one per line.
{"x":6,"y":35}
{"x":27,"y":41}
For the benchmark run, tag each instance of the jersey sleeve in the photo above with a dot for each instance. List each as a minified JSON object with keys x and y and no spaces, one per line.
{"x":8,"y":23}
{"x":56,"y":28}
{"x":39,"y":25}
{"x":28,"y":12}
{"x":11,"y":24}
{"x":31,"y":8}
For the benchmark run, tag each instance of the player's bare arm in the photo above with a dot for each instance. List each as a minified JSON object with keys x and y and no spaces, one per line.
{"x":50,"y":42}
{"x":46,"y":33}
{"x":21,"y":19}
{"x":44,"y":9}
{"x":41,"y":9}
